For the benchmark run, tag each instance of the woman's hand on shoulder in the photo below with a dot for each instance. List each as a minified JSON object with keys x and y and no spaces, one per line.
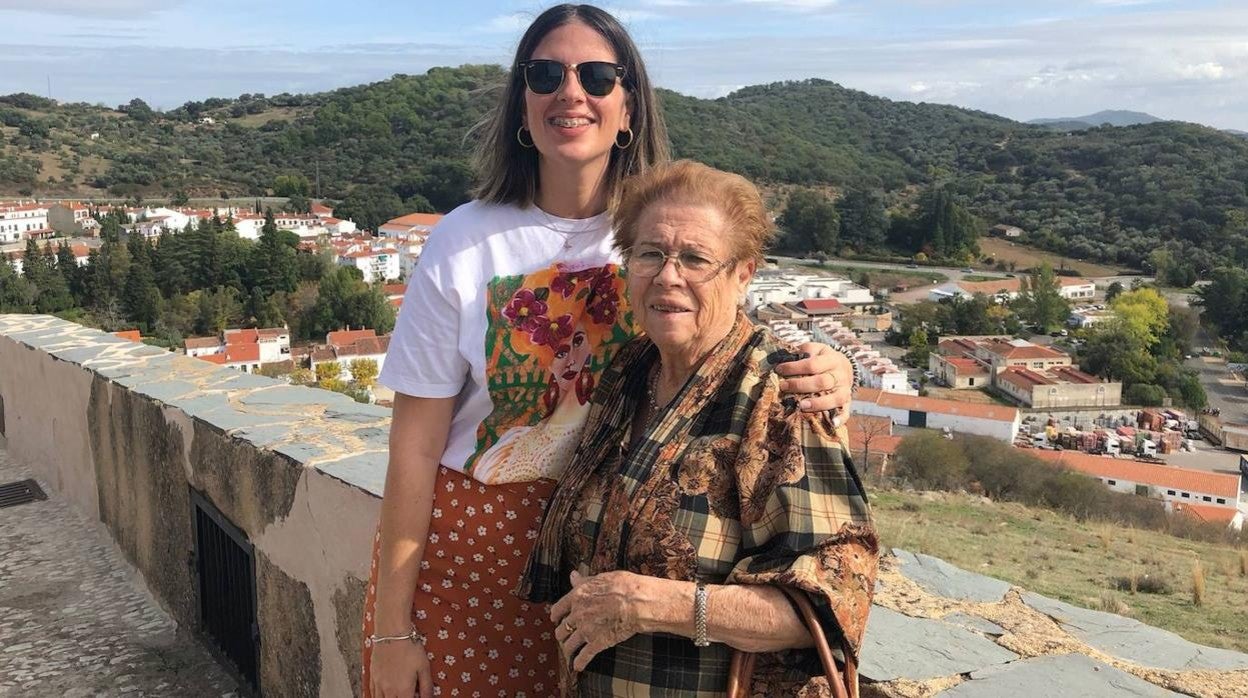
{"x":599,"y":613}
{"x":823,"y":381}
{"x":400,"y":670}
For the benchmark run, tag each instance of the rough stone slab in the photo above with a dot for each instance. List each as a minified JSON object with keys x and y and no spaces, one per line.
{"x":943,"y":579}
{"x":900,"y":647}
{"x":1130,"y":640}
{"x":975,"y":623}
{"x":1061,"y":675}
{"x":366,"y":471}
{"x":358,"y":412}
{"x":167,"y":390}
{"x":285,"y":396}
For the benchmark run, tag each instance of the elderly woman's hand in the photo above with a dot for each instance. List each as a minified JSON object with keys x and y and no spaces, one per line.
{"x":825,"y":380}
{"x":599,"y":613}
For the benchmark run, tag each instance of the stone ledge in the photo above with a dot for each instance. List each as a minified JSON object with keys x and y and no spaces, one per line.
{"x":321,"y":429}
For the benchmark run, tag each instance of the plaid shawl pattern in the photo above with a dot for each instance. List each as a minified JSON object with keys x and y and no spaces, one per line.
{"x":731,"y":484}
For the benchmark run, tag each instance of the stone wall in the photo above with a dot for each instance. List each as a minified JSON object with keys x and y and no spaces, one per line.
{"x":126,"y":432}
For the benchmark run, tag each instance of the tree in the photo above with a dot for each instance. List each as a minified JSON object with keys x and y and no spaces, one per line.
{"x":328,"y":370}
{"x":1112,"y":292}
{"x":138,"y":110}
{"x":291,"y":185}
{"x":1114,"y":352}
{"x":1040,"y":301}
{"x":1144,"y":314}
{"x":219,"y":308}
{"x":1225,"y":301}
{"x":140,"y":298}
{"x":273,"y":266}
{"x":868,"y":430}
{"x":369,"y":206}
{"x":17,"y":294}
{"x":811,"y":222}
{"x":364,"y":372}
{"x":864,"y":223}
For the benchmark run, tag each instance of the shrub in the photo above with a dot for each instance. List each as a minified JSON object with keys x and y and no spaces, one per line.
{"x":1141,"y":583}
{"x":928,"y":460}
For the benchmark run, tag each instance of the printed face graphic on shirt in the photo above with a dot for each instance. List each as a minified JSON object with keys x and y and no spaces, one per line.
{"x":549,"y":335}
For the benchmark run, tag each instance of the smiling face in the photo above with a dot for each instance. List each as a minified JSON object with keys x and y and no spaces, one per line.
{"x":686,"y":320}
{"x":570,"y":127}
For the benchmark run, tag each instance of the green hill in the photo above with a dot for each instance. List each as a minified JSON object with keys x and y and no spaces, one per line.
{"x":1109,"y":194}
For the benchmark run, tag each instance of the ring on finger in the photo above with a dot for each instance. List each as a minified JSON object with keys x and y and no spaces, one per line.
{"x":569,"y":627}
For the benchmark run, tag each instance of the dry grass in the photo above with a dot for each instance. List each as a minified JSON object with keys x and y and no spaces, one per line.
{"x":1025,"y":257}
{"x":1243,"y":564}
{"x":1054,"y":555}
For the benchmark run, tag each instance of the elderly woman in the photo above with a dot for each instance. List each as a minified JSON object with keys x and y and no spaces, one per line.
{"x":698,"y":489}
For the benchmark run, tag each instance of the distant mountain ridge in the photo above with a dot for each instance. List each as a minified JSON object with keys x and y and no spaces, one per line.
{"x":1113,"y":117}
{"x":403,"y":144}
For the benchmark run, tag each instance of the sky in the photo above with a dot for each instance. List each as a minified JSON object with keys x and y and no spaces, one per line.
{"x":1023,"y":59}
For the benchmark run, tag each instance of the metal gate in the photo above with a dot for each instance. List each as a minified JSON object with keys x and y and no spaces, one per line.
{"x":226,"y":580}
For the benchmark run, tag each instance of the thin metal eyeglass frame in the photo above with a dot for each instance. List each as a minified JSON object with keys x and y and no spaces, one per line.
{"x":523,"y":67}
{"x":674,"y":257}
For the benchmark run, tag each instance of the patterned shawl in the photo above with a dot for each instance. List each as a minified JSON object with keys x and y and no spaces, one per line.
{"x":784,"y":475}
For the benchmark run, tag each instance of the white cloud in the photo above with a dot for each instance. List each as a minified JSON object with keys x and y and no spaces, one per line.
{"x":799,"y":5}
{"x":514,"y":23}
{"x":92,"y":8}
{"x":1203,"y":71}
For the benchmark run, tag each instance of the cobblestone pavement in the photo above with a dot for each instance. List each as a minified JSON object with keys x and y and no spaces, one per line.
{"x":75,"y":617}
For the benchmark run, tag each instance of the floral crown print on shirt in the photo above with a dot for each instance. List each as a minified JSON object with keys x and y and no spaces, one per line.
{"x":554,"y":319}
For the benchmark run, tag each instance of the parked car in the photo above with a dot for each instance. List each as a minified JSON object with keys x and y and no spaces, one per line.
{"x":968,"y":270}
{"x":912,"y":265}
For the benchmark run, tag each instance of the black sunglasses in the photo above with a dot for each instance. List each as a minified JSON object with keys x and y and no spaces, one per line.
{"x":544,"y":76}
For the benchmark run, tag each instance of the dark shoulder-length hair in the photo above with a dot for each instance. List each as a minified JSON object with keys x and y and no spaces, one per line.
{"x":507,"y":173}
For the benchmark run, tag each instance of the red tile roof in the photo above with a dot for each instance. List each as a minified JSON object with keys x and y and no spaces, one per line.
{"x":248,"y":336}
{"x":415,"y":219}
{"x":132,"y":335}
{"x":242,"y":353}
{"x":966,"y":365}
{"x":1206,"y":512}
{"x":997,"y":413}
{"x":1027,"y":351}
{"x":1023,"y":378}
{"x":819,"y":304}
{"x":213,"y":358}
{"x":394,"y":289}
{"x":1073,"y":375}
{"x":1163,"y":476}
{"x":201,"y":342}
{"x":342,"y":338}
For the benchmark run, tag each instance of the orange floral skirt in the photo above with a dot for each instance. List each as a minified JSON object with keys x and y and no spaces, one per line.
{"x":483,"y":641}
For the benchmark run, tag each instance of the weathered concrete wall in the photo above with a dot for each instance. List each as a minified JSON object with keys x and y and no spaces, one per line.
{"x":42,"y":433}
{"x":128,"y":431}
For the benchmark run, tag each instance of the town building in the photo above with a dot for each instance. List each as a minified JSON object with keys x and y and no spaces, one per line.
{"x":21,"y":221}
{"x":72,"y":219}
{"x":1035,"y":376}
{"x":1207,"y":495}
{"x":997,"y":421}
{"x":244,"y":349}
{"x":1083,"y":318}
{"x":345,"y":346}
{"x":877,"y":371}
{"x":1008,"y":288}
{"x":411,"y":225}
{"x":1006,"y":231}
{"x":377,"y":264}
{"x":771,"y":286}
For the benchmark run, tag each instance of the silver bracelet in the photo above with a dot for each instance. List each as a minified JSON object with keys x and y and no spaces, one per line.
{"x":414,"y":636}
{"x":699,"y":616}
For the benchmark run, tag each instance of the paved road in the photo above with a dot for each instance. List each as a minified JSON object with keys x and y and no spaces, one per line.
{"x":76,"y":619}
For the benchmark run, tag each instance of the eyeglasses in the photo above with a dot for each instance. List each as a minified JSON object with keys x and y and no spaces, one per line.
{"x":544,"y":76}
{"x":646,"y":261}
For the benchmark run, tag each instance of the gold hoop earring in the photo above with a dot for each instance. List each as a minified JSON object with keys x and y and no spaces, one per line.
{"x":624,"y":146}
{"x":520,"y":139}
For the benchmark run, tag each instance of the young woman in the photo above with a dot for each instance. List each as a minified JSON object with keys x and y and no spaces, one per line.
{"x":576,"y":118}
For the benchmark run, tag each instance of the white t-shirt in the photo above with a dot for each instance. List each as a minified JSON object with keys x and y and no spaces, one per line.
{"x":515,"y":312}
